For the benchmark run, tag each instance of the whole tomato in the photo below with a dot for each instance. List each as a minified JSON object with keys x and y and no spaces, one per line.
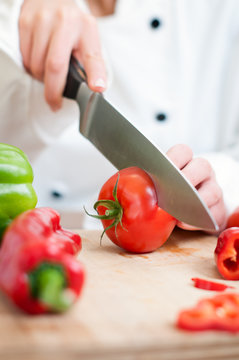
{"x":233,"y":219}
{"x":128,"y":208}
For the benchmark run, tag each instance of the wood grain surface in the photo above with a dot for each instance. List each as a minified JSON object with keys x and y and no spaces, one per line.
{"x":128,"y":308}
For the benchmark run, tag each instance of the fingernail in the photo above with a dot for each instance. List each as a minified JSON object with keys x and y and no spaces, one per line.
{"x":100,"y":83}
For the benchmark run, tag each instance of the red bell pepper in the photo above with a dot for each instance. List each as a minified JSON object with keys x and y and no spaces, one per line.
{"x":209,"y":285}
{"x":220,"y":313}
{"x":38,"y":267}
{"x":233,"y":219}
{"x":227,"y":253}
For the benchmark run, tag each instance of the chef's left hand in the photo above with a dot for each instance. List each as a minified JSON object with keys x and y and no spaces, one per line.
{"x":200,"y":173}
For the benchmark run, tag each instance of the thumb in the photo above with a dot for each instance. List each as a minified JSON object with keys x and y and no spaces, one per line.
{"x":185,"y":226}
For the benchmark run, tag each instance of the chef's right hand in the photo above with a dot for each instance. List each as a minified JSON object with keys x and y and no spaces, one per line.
{"x":50,"y":31}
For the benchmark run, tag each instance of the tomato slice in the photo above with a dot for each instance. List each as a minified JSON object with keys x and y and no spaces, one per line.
{"x":220,"y":313}
{"x":209,"y":285}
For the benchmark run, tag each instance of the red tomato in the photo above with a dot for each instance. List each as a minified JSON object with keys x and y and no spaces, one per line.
{"x":130,"y":214}
{"x":233,"y":219}
{"x":220,"y":312}
{"x":227,"y":253}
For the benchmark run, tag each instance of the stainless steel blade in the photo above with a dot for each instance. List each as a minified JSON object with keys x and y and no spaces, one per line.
{"x":124,"y":146}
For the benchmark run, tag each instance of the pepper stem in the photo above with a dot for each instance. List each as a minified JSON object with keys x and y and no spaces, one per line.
{"x":48,"y":285}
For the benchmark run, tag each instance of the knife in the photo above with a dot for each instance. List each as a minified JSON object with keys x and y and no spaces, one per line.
{"x":124,"y":146}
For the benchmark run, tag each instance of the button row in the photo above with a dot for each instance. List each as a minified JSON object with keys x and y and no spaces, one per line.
{"x":156,"y":23}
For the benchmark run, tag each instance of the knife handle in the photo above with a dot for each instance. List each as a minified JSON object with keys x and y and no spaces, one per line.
{"x":76,"y":76}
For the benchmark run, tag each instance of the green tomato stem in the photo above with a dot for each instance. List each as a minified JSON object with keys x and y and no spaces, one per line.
{"x":114,"y":210}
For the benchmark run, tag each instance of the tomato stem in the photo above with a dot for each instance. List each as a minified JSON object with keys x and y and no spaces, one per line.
{"x":114,"y":211}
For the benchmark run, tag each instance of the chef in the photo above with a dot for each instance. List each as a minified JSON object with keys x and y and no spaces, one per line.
{"x":170,"y":66}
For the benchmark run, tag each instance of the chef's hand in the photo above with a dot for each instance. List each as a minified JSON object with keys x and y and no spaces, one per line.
{"x":200,"y":173}
{"x":49,"y":32}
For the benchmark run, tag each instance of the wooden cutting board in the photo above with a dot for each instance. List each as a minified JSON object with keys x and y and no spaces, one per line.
{"x":128,"y":308}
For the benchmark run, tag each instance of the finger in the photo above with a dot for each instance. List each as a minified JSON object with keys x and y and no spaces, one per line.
{"x":219,"y":213}
{"x":25,"y":35}
{"x":185,"y":226}
{"x":216,"y":206}
{"x":93,"y":62}
{"x":210,"y":192}
{"x":180,"y":155}
{"x":41,"y":36}
{"x":197,"y":171}
{"x":57,"y":63}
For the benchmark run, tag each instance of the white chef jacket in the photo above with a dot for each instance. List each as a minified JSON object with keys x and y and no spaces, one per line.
{"x":174,"y":72}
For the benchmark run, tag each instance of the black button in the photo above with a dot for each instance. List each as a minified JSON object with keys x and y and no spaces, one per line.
{"x":155,"y":23}
{"x":161,"y":117}
{"x":56,"y":194}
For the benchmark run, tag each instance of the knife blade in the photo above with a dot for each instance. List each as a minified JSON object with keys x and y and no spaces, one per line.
{"x":124,"y":146}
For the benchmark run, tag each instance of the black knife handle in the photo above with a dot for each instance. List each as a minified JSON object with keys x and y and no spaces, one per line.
{"x":76,"y":76}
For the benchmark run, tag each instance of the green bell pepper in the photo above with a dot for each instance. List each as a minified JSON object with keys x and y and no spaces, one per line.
{"x":16,"y":191}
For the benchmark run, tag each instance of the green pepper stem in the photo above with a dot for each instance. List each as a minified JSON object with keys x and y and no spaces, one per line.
{"x":48,"y":285}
